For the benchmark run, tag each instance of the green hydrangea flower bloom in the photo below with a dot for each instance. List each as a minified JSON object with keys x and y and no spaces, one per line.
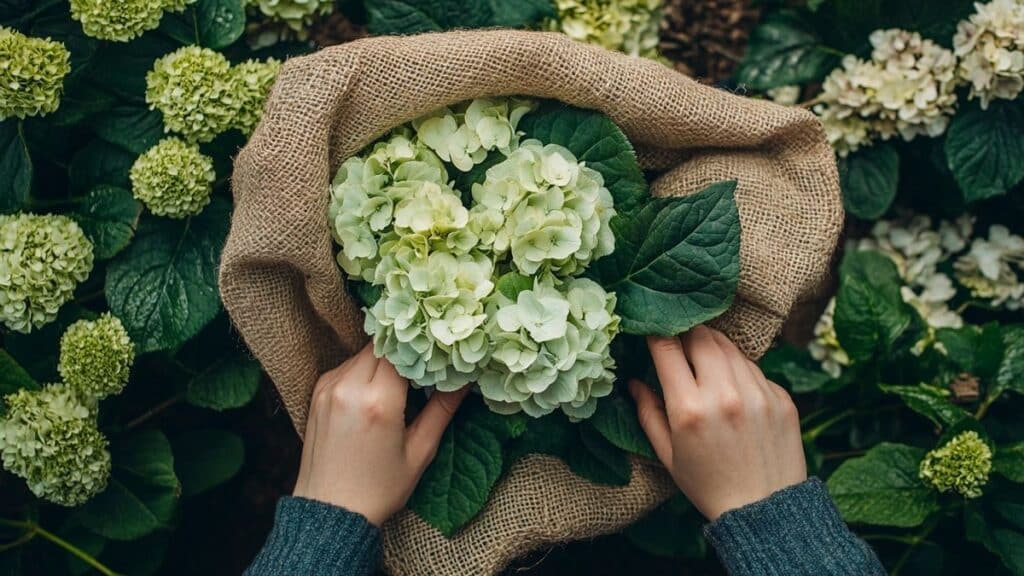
{"x":629,"y":26}
{"x":121,"y":20}
{"x":42,"y":260}
{"x":550,"y":348}
{"x":544,"y":206}
{"x":962,"y":465}
{"x":296,"y":14}
{"x":463,"y":135}
{"x":49,"y":438}
{"x":173,"y":179}
{"x":32,"y":72}
{"x":254,"y":79}
{"x":96,"y":356}
{"x":195,"y":90}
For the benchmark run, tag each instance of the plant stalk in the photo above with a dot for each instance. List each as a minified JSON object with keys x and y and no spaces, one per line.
{"x":33,"y":529}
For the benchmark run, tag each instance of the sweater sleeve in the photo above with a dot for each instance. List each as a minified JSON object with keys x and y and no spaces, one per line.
{"x":312,"y":538}
{"x":795,"y":531}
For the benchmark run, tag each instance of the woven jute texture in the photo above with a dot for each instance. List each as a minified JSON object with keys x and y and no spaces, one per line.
{"x":284,"y":291}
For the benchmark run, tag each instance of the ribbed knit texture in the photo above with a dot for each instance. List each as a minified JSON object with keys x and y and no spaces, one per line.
{"x":311,"y":538}
{"x":795,"y":531}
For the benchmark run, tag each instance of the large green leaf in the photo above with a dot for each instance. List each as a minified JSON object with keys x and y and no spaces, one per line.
{"x":38,"y":350}
{"x":977,"y":350}
{"x":109,"y":216}
{"x":1009,"y":461}
{"x":673,"y":529}
{"x":1010,"y":375}
{"x":794,"y":368}
{"x":870,"y":313}
{"x":143,"y":490}
{"x":521,"y":13}
{"x":416,"y":16}
{"x":206,"y":458}
{"x":164,"y":286}
{"x":617,"y":421}
{"x":882,"y":487}
{"x":985,"y":148}
{"x":981,"y":525}
{"x":783,"y":50}
{"x":133,"y":127}
{"x":929,"y":401}
{"x":869,"y":178}
{"x":97,"y":163}
{"x":219,"y":22}
{"x":15,"y":167}
{"x":468,"y":463}
{"x":231,"y":382}
{"x":597,"y":459}
{"x":676,"y":261}
{"x":596,"y":140}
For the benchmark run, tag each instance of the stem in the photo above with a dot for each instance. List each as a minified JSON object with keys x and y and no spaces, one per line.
{"x":87,"y":297}
{"x":889,"y":538}
{"x":813,"y":433}
{"x":812,"y":102}
{"x":843,"y":454}
{"x":34,"y":529}
{"x":914,"y":542}
{"x":983,"y":407}
{"x":155,"y":410}
{"x":23,"y":539}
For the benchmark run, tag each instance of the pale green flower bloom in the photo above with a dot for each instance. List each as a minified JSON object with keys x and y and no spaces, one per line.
{"x":629,"y":26}
{"x":42,"y":260}
{"x":32,"y":72}
{"x":254,"y":80}
{"x":49,"y":438}
{"x":196,"y":91}
{"x":296,"y":14}
{"x":962,"y":465}
{"x":122,"y":20}
{"x":463,"y":135}
{"x":173,"y":179}
{"x":96,"y":357}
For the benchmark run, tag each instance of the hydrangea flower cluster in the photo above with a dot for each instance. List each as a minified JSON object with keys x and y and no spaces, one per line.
{"x":962,"y":465}
{"x":49,"y":437}
{"x":825,"y":347}
{"x":96,"y":356}
{"x":990,"y":45}
{"x":629,"y":26}
{"x":201,"y":95}
{"x":906,"y":88}
{"x":32,"y":74}
{"x":297,"y":15}
{"x":445,"y":317}
{"x":42,"y":260}
{"x":122,"y":20}
{"x":173,"y":179}
{"x":992,"y":268}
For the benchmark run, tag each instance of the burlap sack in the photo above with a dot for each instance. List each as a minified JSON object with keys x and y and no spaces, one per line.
{"x":284,"y":292}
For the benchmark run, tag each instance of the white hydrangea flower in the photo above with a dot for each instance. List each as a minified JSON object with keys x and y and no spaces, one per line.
{"x":825,"y":347}
{"x":990,"y":45}
{"x":550,"y":348}
{"x":991,"y":269}
{"x":786,"y":95}
{"x":463,"y":135}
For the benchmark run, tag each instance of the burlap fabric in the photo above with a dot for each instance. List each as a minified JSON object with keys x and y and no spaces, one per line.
{"x":284,"y":292}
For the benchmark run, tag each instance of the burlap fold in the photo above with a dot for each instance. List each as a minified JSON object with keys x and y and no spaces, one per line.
{"x":284,"y":292}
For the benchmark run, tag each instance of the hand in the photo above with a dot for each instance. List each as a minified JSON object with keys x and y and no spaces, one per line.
{"x":728,"y":436}
{"x":358,"y":453}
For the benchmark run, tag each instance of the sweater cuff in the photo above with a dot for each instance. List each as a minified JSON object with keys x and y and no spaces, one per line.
{"x":315,"y":538}
{"x":797,"y":530}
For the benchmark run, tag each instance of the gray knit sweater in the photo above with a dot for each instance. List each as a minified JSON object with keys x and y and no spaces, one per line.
{"x":796,"y":531}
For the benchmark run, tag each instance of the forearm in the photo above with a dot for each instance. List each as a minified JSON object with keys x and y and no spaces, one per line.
{"x":796,"y":531}
{"x":311,"y":538}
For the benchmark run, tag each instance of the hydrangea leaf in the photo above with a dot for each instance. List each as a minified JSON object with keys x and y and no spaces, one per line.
{"x":672,"y":530}
{"x":220,"y":22}
{"x":416,"y":16}
{"x":206,"y":458}
{"x":143,"y":490}
{"x":870,"y":313}
{"x":869,"y":178}
{"x":512,"y":283}
{"x":985,"y":523}
{"x":985,"y":148}
{"x":676,"y":261}
{"x":133,"y":127}
{"x":38,"y":351}
{"x":594,"y":139}
{"x":109,"y":216}
{"x":599,"y":460}
{"x":617,"y":421}
{"x":929,"y":401}
{"x":794,"y":368}
{"x":783,"y":50}
{"x":230,"y":382}
{"x":164,"y":286}
{"x":469,"y":462}
{"x":100,"y":162}
{"x":15,"y":167}
{"x":882,"y":487}
{"x":1008,"y":460}
{"x":521,"y":13}
{"x":1010,"y":375}
{"x":974,"y":349}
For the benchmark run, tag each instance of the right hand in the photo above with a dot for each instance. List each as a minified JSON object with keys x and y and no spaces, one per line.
{"x":728,"y":436}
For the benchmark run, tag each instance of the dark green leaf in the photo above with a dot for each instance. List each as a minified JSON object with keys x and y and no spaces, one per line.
{"x":98,"y":163}
{"x":793,"y":367}
{"x":133,"y":127}
{"x":164,"y":286}
{"x":122,"y":67}
{"x":783,"y":50}
{"x":1007,"y":544}
{"x":230,"y":382}
{"x":416,"y":16}
{"x":552,"y":435}
{"x":977,"y":350}
{"x":616,"y":420}
{"x":366,"y":293}
{"x":985,"y":148}
{"x":870,"y":313}
{"x":593,"y":138}
{"x":929,"y":401}
{"x":869,"y":178}
{"x":142,"y":557}
{"x":108,"y":215}
{"x":15,"y":167}
{"x":1009,"y":461}
{"x":676,"y":261}
{"x":882,"y":487}
{"x":511,"y":284}
{"x":670,"y":531}
{"x":38,"y":350}
{"x":220,"y":22}
{"x":142,"y":493}
{"x":521,"y":13}
{"x":204,"y":459}
{"x":13,"y":377}
{"x":599,"y":461}
{"x":1010,"y":375}
{"x":80,"y":102}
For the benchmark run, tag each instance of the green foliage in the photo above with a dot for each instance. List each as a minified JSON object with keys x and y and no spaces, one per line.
{"x":230,"y":382}
{"x":109,"y":217}
{"x":870,"y":313}
{"x":985,"y":149}
{"x":869,"y":179}
{"x":784,"y":50}
{"x":206,"y":458}
{"x":882,"y":488}
{"x":416,"y":16}
{"x":15,"y":167}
